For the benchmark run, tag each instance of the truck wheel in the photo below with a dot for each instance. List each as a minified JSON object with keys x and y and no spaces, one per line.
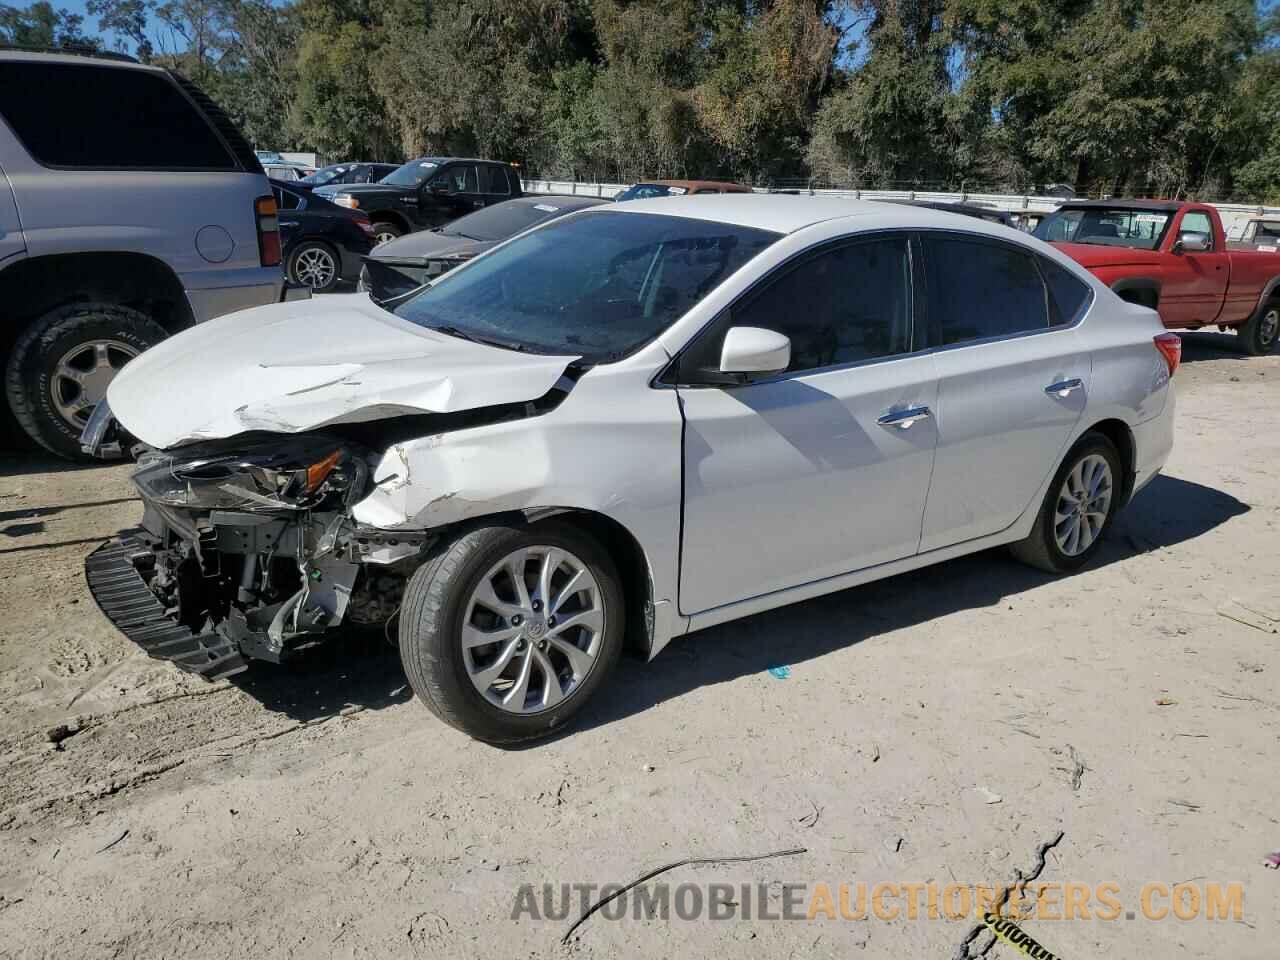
{"x":507,"y":631}
{"x":1259,"y":333}
{"x":61,"y":364}
{"x":385,"y":230}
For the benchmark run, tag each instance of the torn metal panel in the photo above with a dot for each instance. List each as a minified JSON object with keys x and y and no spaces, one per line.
{"x":293,"y":367}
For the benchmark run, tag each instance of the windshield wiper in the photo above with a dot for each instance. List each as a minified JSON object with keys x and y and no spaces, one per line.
{"x":451,"y":331}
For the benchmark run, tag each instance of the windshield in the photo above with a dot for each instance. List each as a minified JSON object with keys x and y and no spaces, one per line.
{"x":411,"y":174}
{"x":598,"y":285}
{"x":503,"y":220}
{"x":644,"y":191}
{"x":1108,"y":226}
{"x":325,"y":175}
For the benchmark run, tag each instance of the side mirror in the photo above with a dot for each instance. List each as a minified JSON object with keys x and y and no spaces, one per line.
{"x":1193,"y":243}
{"x":754,"y":350}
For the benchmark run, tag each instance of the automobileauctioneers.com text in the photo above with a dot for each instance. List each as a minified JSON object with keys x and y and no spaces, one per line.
{"x":886,"y":901}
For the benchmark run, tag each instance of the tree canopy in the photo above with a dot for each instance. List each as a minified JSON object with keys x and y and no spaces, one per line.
{"x":1160,"y":97}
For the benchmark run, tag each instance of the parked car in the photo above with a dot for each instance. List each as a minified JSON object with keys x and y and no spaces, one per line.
{"x":649,"y":189}
{"x":1259,"y":233}
{"x":324,"y":244}
{"x":397,"y":267}
{"x":339,"y":173}
{"x":427,"y":192}
{"x":990,"y":214}
{"x":1173,"y":257}
{"x":130,"y":208}
{"x":631,"y":422}
{"x":286,"y":172}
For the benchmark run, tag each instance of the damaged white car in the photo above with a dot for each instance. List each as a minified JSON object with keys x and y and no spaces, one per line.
{"x":628,"y":424}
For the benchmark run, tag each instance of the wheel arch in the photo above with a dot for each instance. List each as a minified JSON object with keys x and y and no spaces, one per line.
{"x":1144,"y":291}
{"x":1118,"y":432}
{"x":392,"y":216}
{"x":32,"y":287}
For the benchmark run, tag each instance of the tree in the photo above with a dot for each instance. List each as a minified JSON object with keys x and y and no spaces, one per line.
{"x":40,"y":25}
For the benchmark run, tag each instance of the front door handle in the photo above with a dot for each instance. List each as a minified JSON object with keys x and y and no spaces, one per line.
{"x":903,"y":419}
{"x":1064,"y":388}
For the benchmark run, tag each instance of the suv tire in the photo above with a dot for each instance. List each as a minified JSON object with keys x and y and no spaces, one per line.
{"x":446,"y":672}
{"x":94,"y":339}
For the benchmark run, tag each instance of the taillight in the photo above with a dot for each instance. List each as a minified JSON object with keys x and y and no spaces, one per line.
{"x":364,"y":223}
{"x":264,"y":209}
{"x":1170,"y":347}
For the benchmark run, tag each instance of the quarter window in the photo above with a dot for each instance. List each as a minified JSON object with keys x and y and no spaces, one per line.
{"x":1069,"y":296}
{"x":979,"y":290}
{"x":845,"y":305}
{"x":106,"y":118}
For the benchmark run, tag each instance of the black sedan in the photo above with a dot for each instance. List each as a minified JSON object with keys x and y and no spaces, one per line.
{"x":402,"y":265}
{"x":339,"y":173}
{"x":322,"y":242}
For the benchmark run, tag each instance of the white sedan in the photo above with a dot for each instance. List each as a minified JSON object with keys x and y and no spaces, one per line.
{"x":626,"y":425}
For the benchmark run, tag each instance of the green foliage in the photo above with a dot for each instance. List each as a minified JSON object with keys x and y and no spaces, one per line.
{"x":1174,"y":97}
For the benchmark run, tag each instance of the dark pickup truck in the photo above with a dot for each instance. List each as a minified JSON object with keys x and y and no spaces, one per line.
{"x":426,"y":193}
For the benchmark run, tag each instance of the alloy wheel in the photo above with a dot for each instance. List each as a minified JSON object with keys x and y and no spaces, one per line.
{"x":1083,"y":504}
{"x":315,"y":267}
{"x":82,"y":375}
{"x":532,"y":629}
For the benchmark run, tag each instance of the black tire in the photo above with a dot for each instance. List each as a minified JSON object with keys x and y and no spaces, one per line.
{"x":319,"y":248}
{"x":1260,"y":332}
{"x":34,"y":359}
{"x":431,"y":629}
{"x":386,"y":230}
{"x":1041,"y":548}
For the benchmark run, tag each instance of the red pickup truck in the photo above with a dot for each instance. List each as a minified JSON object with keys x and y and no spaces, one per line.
{"x":1173,"y":257}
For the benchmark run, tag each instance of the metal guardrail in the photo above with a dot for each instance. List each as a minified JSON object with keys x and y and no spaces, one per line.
{"x":1234,"y":215}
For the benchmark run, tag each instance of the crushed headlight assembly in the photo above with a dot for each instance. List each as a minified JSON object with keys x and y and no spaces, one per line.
{"x":302,"y":474}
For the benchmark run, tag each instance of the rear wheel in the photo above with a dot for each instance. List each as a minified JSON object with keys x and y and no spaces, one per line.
{"x":506,"y":632}
{"x":1260,"y":332}
{"x":1077,"y":510}
{"x":314,"y":264}
{"x":385,"y":230}
{"x":62,"y":363}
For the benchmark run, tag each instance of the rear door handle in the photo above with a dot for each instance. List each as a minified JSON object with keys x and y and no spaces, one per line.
{"x":903,"y":419}
{"x":1064,"y":388}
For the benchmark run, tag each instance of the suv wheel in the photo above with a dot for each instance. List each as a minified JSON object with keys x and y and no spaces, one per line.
{"x":62,"y":363}
{"x":384,"y":231}
{"x":314,"y":264}
{"x":506,"y":632}
{"x":1262,"y":329}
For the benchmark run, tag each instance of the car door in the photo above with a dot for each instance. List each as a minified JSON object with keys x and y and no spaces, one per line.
{"x":450,"y":193}
{"x":1195,"y":285}
{"x":493,"y":183}
{"x":290,"y":217}
{"x":822,"y":469}
{"x":11,"y":241}
{"x":1013,"y":376}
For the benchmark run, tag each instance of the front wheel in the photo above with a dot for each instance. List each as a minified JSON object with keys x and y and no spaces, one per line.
{"x":1082,"y":500}
{"x":507,"y":631}
{"x":1260,"y":332}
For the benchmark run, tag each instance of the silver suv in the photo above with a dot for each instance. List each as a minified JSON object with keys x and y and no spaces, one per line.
{"x":130,"y":208}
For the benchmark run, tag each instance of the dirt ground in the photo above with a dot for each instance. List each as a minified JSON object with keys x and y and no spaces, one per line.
{"x":940,"y":726}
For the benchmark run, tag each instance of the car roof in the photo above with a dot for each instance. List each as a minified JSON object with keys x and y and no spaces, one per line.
{"x":786,"y":213}
{"x":73,"y":55}
{"x":696,"y":184}
{"x":562,"y":201}
{"x":440,"y":160}
{"x":1167,"y":206}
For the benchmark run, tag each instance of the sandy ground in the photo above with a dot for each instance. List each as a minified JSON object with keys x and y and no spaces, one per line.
{"x":317,"y":810}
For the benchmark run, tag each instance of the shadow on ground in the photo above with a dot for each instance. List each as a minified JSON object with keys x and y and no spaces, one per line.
{"x":1202,"y":345}
{"x":365,"y":670}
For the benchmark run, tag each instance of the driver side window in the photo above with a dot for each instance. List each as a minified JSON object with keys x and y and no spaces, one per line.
{"x":1195,"y":222}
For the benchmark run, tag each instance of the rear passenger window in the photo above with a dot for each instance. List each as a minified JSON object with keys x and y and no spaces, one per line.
{"x":106,"y":118}
{"x":845,"y":305}
{"x":979,"y":290}
{"x":1069,"y":296}
{"x":493,"y":180}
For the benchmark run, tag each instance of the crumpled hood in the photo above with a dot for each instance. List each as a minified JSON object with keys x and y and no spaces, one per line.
{"x":298,"y":366}
{"x":1090,"y":255}
{"x":428,"y":245}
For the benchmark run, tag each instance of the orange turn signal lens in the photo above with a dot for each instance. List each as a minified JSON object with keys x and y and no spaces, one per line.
{"x":319,"y":471}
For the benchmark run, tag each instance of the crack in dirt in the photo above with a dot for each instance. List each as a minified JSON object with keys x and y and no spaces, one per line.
{"x":1020,"y":881}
